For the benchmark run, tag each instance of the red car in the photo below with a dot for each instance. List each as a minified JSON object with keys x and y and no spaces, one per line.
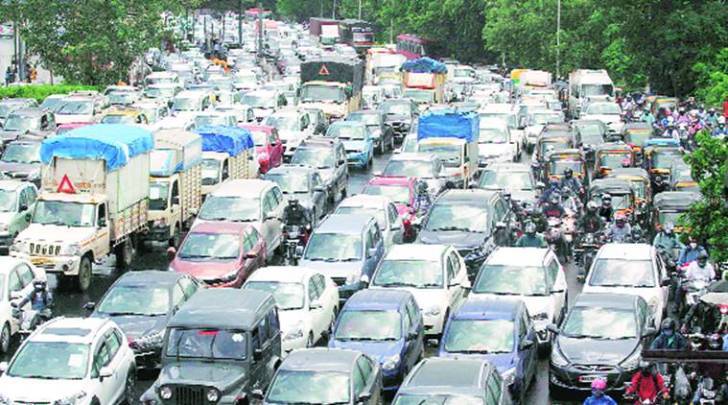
{"x":222,"y":254}
{"x":401,"y":190}
{"x":268,"y":146}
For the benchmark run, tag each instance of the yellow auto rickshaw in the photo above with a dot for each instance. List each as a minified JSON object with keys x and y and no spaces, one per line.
{"x":561,"y":160}
{"x":640,"y":181}
{"x":681,"y":177}
{"x":612,"y":155}
{"x":621,"y":191}
{"x":636,"y":134}
{"x":659,"y":157}
{"x":669,"y":205}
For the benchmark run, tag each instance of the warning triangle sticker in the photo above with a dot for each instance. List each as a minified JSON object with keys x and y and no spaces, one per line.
{"x":324,"y":71}
{"x":66,"y":186}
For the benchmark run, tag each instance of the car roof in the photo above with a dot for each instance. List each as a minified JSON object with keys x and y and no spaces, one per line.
{"x":447,"y":373}
{"x":629,"y":251}
{"x":69,"y":330}
{"x":391,"y":181}
{"x":477,"y":196}
{"x":28,"y":111}
{"x":385,"y":299}
{"x":606,"y":300}
{"x":518,"y":256}
{"x":292,"y":168}
{"x":290,"y":274}
{"x":350,"y":224}
{"x":7,"y":263}
{"x":223,"y":308}
{"x":488,"y":307}
{"x":417,"y":251}
{"x":321,"y":359}
{"x":414,"y":156}
{"x":153,"y":278}
{"x":220,"y":227}
{"x":505,"y":166}
{"x":242,"y":187}
{"x":11,"y":185}
{"x":366,"y":201}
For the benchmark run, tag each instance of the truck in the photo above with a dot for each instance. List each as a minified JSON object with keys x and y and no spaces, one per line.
{"x":424,"y":81}
{"x":175,"y":184}
{"x":325,"y":29}
{"x":332,"y":84}
{"x":94,"y":201}
{"x":382,"y":60}
{"x":358,"y":34}
{"x":585,"y":84}
{"x":227,"y":153}
{"x":452,"y":136}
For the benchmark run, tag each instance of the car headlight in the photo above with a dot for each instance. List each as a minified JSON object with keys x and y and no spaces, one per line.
{"x":72,"y":249}
{"x":295,"y":333}
{"x":631,"y":362}
{"x":558,"y":359}
{"x":433,"y":311}
{"x":20,"y":246}
{"x":3,"y":227}
{"x":509,"y":376}
{"x":165,"y":393}
{"x":71,"y":399}
{"x":213,"y":395}
{"x":390,"y":363}
{"x":4,"y":400}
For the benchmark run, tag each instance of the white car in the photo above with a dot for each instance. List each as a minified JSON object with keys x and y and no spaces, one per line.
{"x":215,"y":118}
{"x":307,"y":303}
{"x":263,"y":102}
{"x":532,"y":274}
{"x":259,"y":202}
{"x":434,"y":274}
{"x":16,"y":282}
{"x":293,"y":127}
{"x":382,"y":209}
{"x":81,"y":361}
{"x":496,"y":144}
{"x":607,"y":112}
{"x":631,"y":268}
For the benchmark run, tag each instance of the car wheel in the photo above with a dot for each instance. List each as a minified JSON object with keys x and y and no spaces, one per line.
{"x":177,"y":237}
{"x":83,"y":280}
{"x":129,"y":397}
{"x":309,"y":341}
{"x":382,"y":146}
{"x":5,"y":338}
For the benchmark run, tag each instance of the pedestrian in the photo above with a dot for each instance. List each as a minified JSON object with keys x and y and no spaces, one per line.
{"x":9,"y":75}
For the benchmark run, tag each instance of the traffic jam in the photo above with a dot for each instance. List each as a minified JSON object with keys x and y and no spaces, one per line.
{"x":313,"y":218}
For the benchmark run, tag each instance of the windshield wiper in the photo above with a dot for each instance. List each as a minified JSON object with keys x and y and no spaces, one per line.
{"x":451,"y":228}
{"x":348,"y":259}
{"x":396,"y":284}
{"x":579,"y":336}
{"x":41,"y":377}
{"x":471,"y":351}
{"x":242,"y":220}
{"x":193,"y":256}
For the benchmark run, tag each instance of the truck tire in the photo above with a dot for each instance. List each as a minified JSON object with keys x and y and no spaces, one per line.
{"x":83,"y":280}
{"x":124,"y":254}
{"x":5,"y":339}
{"x":176,"y":236}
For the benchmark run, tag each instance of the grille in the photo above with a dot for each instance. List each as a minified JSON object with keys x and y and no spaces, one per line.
{"x":189,"y":395}
{"x":594,"y":368}
{"x":41,"y":249}
{"x":339,"y":280}
{"x":352,"y":151}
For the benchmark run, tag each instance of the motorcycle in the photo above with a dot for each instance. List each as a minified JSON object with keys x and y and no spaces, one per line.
{"x":585,"y":252}
{"x":294,"y":236}
{"x":29,"y":319}
{"x":707,"y":392}
{"x":554,"y":235}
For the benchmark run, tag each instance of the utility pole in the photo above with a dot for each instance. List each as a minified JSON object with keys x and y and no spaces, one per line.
{"x":16,"y":58}
{"x":558,"y":38}
{"x":333,"y":11}
{"x":240,"y":22}
{"x":260,"y":29}
{"x":360,"y":9}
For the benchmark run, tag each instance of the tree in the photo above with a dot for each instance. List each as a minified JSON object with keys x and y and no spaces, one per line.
{"x":713,"y":79}
{"x":708,"y":219}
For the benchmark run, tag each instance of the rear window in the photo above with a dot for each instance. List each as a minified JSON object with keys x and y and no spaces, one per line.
{"x":79,"y":332}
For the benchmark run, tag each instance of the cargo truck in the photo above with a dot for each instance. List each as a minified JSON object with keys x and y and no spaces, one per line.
{"x":175,"y":188}
{"x":227,"y":153}
{"x":585,"y":84}
{"x":424,"y":81}
{"x":325,"y":29}
{"x":93,"y":201}
{"x":453,"y":137}
{"x":333,"y":85}
{"x":358,"y":34}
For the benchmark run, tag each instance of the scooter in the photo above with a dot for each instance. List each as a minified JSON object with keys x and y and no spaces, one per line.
{"x":29,"y":319}
{"x":294,"y":236}
{"x":585,"y":253}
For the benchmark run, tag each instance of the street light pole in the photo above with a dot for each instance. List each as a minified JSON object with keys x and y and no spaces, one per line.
{"x":558,"y":38}
{"x":360,"y":9}
{"x":333,"y":11}
{"x":240,"y":22}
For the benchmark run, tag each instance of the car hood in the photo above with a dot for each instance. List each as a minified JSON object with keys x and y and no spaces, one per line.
{"x":290,"y":318}
{"x":458,"y":239}
{"x":494,"y":149}
{"x":596,"y":351}
{"x":31,"y":390}
{"x":355,"y":145}
{"x":379,"y":350}
{"x":534,"y":130}
{"x":56,"y":234}
{"x":605,"y":118}
{"x":502,"y":361}
{"x":292,"y":136}
{"x":334,"y":269}
{"x":390,"y":118}
{"x":136,"y":326}
{"x":219,"y":374}
{"x":23,"y":169}
{"x":73,"y":118}
{"x":204,"y":269}
{"x":425,"y":297}
{"x":8,"y":136}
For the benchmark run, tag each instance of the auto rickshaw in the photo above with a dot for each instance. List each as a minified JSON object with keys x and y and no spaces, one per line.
{"x":659,"y":155}
{"x":635,"y":135}
{"x":681,"y":177}
{"x":667,"y":207}
{"x":640,"y":181}
{"x":610,"y":156}
{"x":561,"y":160}
{"x":553,"y":138}
{"x":622,"y":192}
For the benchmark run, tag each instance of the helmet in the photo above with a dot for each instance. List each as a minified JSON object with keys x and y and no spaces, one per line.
{"x":669,"y":228}
{"x":599,"y":384}
{"x":568,"y":172}
{"x":39,"y":284}
{"x":714,"y":342}
{"x":668,"y":324}
{"x":681,"y":110}
{"x":711,"y":110}
{"x":702,"y":258}
{"x":658,"y":179}
{"x":620,"y":217}
{"x":530,"y":228}
{"x":554,"y":198}
{"x":422,"y":187}
{"x":293,"y":202}
{"x":554,"y":182}
{"x":644,"y":366}
{"x":591,"y":206}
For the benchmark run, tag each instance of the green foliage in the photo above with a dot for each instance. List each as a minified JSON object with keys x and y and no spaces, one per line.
{"x":708,"y":219}
{"x":40,"y":92}
{"x":713,"y":79}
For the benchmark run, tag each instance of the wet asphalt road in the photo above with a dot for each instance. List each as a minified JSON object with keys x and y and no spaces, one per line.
{"x":69,"y":303}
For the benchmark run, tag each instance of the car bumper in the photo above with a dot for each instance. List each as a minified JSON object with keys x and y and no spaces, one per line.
{"x":434,"y":324}
{"x":579,"y":378}
{"x":288,"y":345}
{"x":67,"y":265}
{"x":357,"y":159}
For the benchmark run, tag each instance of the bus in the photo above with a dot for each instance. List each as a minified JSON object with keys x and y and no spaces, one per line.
{"x":414,"y":47}
{"x":358,"y":34}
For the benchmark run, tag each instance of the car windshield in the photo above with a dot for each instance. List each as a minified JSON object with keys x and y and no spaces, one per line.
{"x":287,"y":295}
{"x":400,"y":194}
{"x":420,"y":96}
{"x":118,"y":119}
{"x":506,"y":180}
{"x":559,"y":166}
{"x":668,"y":217}
{"x":210,"y":172}
{"x":158,"y":192}
{"x":457,"y":217}
{"x":619,"y":201}
{"x":135,"y":300}
{"x":282,"y":122}
{"x":600,"y":323}
{"x":548,"y":147}
{"x":367,"y":119}
{"x":590,"y":129}
{"x":492,"y":135}
{"x":186,"y":104}
{"x":157,"y":92}
{"x":410,"y":168}
{"x":122,"y":97}
{"x":596,"y":90}
{"x":665,"y":159}
{"x":319,"y":93}
{"x":204,"y":120}
{"x":477,"y":336}
{"x":637,"y":138}
{"x":437,"y":399}
{"x":334,"y":247}
{"x":290,"y":182}
{"x":19,"y":153}
{"x":210,"y":246}
{"x":603,"y":109}
{"x":622,"y":273}
{"x":396,"y":109}
{"x":449,"y":154}
{"x":7,"y":200}
{"x":320,"y":158}
{"x":511,"y":280}
{"x":235,"y":209}
{"x":377,"y":213}
{"x":543,"y":119}
{"x":615,"y":159}
{"x":409,"y":273}
{"x":84,"y":107}
{"x":21,"y":123}
{"x":309,"y":387}
{"x":50,"y":361}
{"x":62,"y":213}
{"x":347,"y":132}
{"x":51,"y":103}
{"x":369,"y":325}
{"x":206,"y":344}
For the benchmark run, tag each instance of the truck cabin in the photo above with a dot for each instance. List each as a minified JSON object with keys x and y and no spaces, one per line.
{"x":163,"y":193}
{"x":71,"y":210}
{"x":313,"y":92}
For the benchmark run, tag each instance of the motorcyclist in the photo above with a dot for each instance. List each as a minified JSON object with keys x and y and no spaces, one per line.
{"x":40,"y":299}
{"x":553,"y":207}
{"x":598,"y":397}
{"x":620,"y":231}
{"x":712,"y":118}
{"x":660,"y":184}
{"x":530,"y":238}
{"x":605,"y":210}
{"x":720,"y":130}
{"x":590,"y":222}
{"x":666,"y":240}
{"x":296,"y":215}
{"x":690,"y":252}
{"x":671,"y":132}
{"x":552,"y":188}
{"x":538,"y":219}
{"x":647,"y":384}
{"x":647,"y":117}
{"x":669,"y":337}
{"x":700,"y":269}
{"x":682,"y":116}
{"x":569,"y":181}
{"x":422,"y":199}
{"x":628,"y":104}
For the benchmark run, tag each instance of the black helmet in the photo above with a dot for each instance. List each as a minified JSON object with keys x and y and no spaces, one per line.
{"x":702,"y":258}
{"x":530,"y":228}
{"x":293,"y":201}
{"x":568,"y":172}
{"x":668,"y":324}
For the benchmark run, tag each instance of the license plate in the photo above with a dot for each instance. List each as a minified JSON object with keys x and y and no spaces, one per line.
{"x":40,"y":260}
{"x":588,"y":378}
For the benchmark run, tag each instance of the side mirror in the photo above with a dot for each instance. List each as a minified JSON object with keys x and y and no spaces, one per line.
{"x":319,"y":189}
{"x":175,"y":200}
{"x":171,"y":253}
{"x":270,"y":216}
{"x":553,"y":329}
{"x":257,"y":394}
{"x":364,"y":279}
{"x":89,"y":306}
{"x":251,"y":255}
{"x":257,"y":354}
{"x":341,"y":162}
{"x":299,"y":251}
{"x":454,"y":283}
{"x":16,"y":295}
{"x":665,"y":282}
{"x":466,"y":159}
{"x":102,"y":222}
{"x":3,"y":367}
{"x":371,"y":252}
{"x":377,"y":173}
{"x":540,"y":185}
{"x":500,"y":225}
{"x":364,"y":397}
{"x":412,"y":335}
{"x":105,"y":372}
{"x":23,"y":208}
{"x":28,"y":217}
{"x":525,"y":344}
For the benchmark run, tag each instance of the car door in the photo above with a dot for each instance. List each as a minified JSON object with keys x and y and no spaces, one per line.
{"x":367,"y":381}
{"x":316,"y":308}
{"x":107,"y":355}
{"x":318,"y":195}
{"x":268,"y":221}
{"x":342,"y":168}
{"x":526,"y":365}
{"x":275,"y":148}
{"x":452,"y":284}
{"x":414,"y":338}
{"x":15,"y":294}
{"x":662,"y":278}
{"x":557,"y":282}
{"x":396,"y":230}
{"x":374,"y":241}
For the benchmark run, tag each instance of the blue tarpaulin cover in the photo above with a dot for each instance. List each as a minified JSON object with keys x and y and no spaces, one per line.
{"x":449,"y":124}
{"x":424,"y":65}
{"x":113,"y":143}
{"x":230,"y":140}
